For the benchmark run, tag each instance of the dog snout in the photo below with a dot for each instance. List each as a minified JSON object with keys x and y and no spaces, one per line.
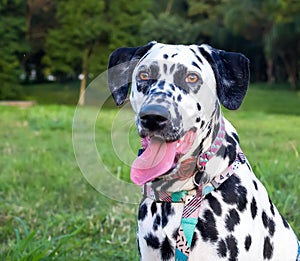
{"x":154,"y":117}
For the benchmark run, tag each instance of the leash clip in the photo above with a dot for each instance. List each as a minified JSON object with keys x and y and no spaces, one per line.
{"x":200,"y":178}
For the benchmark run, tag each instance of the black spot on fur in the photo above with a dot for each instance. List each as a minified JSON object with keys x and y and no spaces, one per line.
{"x":153,"y":208}
{"x":202,"y":124}
{"x":232,"y":247}
{"x":255,"y":185}
{"x":198,"y":119}
{"x":167,"y":251}
{"x":248,"y":242}
{"x":161,"y":85}
{"x":142,"y":212}
{"x":268,"y":249}
{"x":172,"y":68}
{"x":173,"y":55}
{"x":169,"y":94}
{"x":156,"y":222}
{"x":207,"y":227}
{"x":179,"y":78}
{"x":166,"y":56}
{"x":230,"y":149}
{"x":198,"y":106}
{"x":271,"y":227}
{"x":194,"y":240}
{"x":222,"y":249}
{"x":199,"y":59}
{"x":253,"y":208}
{"x":232,"y":219}
{"x":233,"y":193}
{"x":268,"y":223}
{"x":175,"y":234}
{"x":272,"y":207}
{"x":152,"y":241}
{"x":216,"y":131}
{"x":196,"y":65}
{"x":166,"y":212}
{"x":242,"y":198}
{"x":214,"y":204}
{"x":139,"y":248}
{"x":165,"y":68}
{"x":179,"y":98}
{"x":285,"y":223}
{"x":248,"y":166}
{"x":143,"y":86}
{"x":264,"y":219}
{"x":236,"y":137}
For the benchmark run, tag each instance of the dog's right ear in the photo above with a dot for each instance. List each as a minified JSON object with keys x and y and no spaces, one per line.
{"x":120,"y":67}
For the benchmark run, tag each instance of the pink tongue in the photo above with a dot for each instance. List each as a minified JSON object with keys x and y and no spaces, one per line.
{"x":156,"y":160}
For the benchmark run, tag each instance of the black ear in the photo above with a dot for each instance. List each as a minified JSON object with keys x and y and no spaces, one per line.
{"x":232,"y":75}
{"x":120,"y":67}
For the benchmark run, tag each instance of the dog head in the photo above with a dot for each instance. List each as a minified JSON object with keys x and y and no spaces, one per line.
{"x":176,"y":90}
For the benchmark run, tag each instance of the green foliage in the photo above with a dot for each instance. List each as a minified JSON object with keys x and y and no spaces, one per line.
{"x":168,"y":28}
{"x":70,"y":37}
{"x":124,"y":19}
{"x":81,"y":25}
{"x":12,"y":47}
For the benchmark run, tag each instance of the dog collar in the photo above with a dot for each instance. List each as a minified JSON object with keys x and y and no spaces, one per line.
{"x":200,"y":190}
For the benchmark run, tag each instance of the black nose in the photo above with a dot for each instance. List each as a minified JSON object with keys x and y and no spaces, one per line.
{"x":154,"y":117}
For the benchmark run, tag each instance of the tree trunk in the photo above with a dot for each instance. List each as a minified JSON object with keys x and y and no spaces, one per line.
{"x":292,"y":72}
{"x":270,"y":70}
{"x":169,"y":7}
{"x":83,"y":76}
{"x":290,"y":64}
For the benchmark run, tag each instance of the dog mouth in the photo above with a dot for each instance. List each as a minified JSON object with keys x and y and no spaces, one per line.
{"x":159,"y":157}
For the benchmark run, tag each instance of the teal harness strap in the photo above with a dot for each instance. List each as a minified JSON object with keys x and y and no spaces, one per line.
{"x":191,"y":209}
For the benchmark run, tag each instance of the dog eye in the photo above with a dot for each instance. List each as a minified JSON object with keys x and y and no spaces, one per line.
{"x":192,"y":78}
{"x":144,"y":76}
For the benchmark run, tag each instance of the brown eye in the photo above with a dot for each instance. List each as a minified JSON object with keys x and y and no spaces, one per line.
{"x":144,"y":76}
{"x":192,"y":78}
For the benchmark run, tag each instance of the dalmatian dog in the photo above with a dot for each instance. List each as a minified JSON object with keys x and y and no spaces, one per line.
{"x":200,"y":198}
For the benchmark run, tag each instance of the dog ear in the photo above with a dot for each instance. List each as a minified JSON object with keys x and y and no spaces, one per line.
{"x":232,"y":75}
{"x":120,"y":67}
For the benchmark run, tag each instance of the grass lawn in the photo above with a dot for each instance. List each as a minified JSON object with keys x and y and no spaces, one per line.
{"x":48,"y":210}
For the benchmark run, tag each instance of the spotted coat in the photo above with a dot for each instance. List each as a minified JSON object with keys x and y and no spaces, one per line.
{"x":238,"y":221}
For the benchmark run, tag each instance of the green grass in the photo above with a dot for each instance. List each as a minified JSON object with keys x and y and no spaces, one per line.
{"x":48,"y":211}
{"x":53,"y":93}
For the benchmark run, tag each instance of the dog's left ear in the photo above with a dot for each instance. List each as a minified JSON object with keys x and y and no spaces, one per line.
{"x":120,"y":67}
{"x":232,"y":75}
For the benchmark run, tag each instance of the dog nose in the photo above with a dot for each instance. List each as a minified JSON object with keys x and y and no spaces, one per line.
{"x":154,"y":117}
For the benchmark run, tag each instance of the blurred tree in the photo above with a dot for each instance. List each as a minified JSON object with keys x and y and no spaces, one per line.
{"x":285,"y":38}
{"x":13,"y":46}
{"x":81,"y":26}
{"x":40,"y":17}
{"x":208,"y":17}
{"x":263,"y":21}
{"x":123,"y":19}
{"x":168,"y":23}
{"x":168,"y":28}
{"x":89,"y":28}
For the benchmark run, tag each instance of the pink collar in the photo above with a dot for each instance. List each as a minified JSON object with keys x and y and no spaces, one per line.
{"x":200,"y":190}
